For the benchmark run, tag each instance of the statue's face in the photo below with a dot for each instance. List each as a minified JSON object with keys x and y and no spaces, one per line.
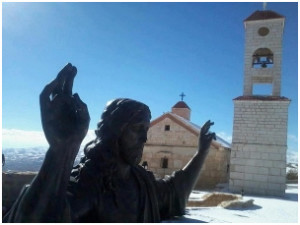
{"x":132,"y":142}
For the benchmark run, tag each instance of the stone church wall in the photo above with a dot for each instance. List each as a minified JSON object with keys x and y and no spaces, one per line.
{"x":176,"y":147}
{"x":158,"y":136}
{"x":214,"y":171}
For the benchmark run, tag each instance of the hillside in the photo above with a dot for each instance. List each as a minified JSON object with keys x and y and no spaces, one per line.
{"x":31,"y":159}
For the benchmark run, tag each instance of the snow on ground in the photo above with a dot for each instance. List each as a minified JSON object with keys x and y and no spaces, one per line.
{"x":265,"y":210}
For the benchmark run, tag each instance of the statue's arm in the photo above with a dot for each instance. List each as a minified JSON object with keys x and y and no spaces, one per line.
{"x":45,"y":199}
{"x":65,"y":121}
{"x":185,"y":180}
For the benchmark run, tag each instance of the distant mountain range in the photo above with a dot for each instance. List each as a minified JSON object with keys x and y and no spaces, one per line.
{"x":27,"y":159}
{"x":31,"y":159}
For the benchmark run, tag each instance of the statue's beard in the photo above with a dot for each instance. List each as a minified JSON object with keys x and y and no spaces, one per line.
{"x":133,"y":156}
{"x":138,"y":159}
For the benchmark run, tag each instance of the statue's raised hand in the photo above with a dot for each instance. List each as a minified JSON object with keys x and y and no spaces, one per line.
{"x":65,"y":118}
{"x":206,"y":137}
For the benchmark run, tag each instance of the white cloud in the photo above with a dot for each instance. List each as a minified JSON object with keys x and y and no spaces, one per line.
{"x":293,"y":138}
{"x":292,"y":157}
{"x":13,"y":138}
{"x":225,"y":136}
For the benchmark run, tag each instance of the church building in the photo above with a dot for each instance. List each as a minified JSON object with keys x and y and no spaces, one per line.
{"x":173,"y":141}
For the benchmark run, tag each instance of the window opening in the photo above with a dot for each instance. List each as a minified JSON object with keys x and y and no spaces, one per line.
{"x":164,"y":162}
{"x":262,"y":58}
{"x":167,"y":127}
{"x":262,"y":89}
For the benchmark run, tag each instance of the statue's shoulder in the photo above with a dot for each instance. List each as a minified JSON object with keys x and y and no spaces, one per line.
{"x":145,"y":173}
{"x":85,"y":175}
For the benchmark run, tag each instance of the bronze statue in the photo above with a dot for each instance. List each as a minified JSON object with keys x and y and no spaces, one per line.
{"x":108,"y":185}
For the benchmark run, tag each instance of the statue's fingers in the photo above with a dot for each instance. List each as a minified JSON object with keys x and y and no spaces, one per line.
{"x":78,"y":102}
{"x":61,"y":79}
{"x":210,"y":137}
{"x":81,"y":108}
{"x":205,"y":127}
{"x":69,"y":79}
{"x":214,"y":136}
{"x":45,"y":95}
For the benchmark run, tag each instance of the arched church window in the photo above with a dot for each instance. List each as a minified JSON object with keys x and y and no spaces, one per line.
{"x":262,"y":58}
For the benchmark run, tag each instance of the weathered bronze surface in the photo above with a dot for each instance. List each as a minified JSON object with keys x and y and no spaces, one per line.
{"x":108,"y":185}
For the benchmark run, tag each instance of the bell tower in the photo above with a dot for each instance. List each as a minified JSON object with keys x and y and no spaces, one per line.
{"x":259,"y":139}
{"x":263,"y":50}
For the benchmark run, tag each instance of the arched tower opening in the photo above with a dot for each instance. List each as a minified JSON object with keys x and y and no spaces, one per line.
{"x":262,"y":58}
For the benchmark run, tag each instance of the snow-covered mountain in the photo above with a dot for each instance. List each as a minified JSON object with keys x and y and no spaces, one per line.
{"x":27,"y":159}
{"x":30,"y":159}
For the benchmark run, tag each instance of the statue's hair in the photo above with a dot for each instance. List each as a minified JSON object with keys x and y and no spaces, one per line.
{"x":103,"y":151}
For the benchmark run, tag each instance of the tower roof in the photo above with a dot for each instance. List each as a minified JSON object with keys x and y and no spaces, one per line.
{"x":263,"y":15}
{"x":181,"y":104}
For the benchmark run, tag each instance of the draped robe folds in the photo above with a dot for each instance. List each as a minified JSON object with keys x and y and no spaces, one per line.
{"x":158,"y":199}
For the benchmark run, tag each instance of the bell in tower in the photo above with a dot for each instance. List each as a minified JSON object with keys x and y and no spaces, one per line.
{"x":263,"y":50}
{"x":262,"y":58}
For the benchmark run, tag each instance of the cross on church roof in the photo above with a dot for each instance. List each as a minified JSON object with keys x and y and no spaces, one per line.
{"x":182,"y":96}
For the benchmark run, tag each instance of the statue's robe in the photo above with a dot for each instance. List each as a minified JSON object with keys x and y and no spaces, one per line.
{"x":159,"y":199}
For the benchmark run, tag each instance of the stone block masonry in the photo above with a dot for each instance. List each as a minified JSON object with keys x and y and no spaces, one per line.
{"x":259,"y":145}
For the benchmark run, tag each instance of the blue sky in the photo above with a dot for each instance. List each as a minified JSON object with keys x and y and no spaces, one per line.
{"x":150,"y":52}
